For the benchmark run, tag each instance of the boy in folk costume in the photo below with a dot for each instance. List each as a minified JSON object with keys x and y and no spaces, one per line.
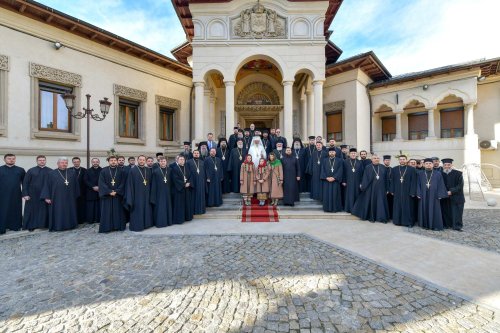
{"x":262,"y":183}
{"x":275,"y":179}
{"x":247,"y":180}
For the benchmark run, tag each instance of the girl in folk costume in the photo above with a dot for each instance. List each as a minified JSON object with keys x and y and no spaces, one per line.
{"x":262,"y":184}
{"x":247,"y":180}
{"x":275,"y":179}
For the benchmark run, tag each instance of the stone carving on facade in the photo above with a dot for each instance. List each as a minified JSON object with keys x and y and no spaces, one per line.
{"x":132,"y":93}
{"x":258,"y":94}
{"x":334,"y":106}
{"x":168,"y":102}
{"x":259,"y":22}
{"x":4,"y":63}
{"x":55,"y":75}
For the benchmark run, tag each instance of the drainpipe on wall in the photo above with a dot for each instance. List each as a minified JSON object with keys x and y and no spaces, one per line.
{"x":371,"y":120}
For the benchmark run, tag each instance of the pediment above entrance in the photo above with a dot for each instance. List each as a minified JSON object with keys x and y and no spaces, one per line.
{"x":258,"y":22}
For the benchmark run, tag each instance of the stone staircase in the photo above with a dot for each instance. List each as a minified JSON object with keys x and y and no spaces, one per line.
{"x":306,"y":209}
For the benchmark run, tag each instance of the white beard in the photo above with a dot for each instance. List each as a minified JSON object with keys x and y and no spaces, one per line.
{"x":257,"y":152}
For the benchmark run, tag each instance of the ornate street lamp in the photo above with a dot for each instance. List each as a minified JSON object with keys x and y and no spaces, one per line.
{"x":69,"y":100}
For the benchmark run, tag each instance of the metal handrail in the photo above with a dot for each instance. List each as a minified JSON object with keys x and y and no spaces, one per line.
{"x":476,"y":178}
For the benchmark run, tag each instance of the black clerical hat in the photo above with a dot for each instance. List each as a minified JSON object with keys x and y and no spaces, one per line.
{"x":353,"y":150}
{"x":312,"y":137}
{"x":222,"y":139}
{"x":447,"y":160}
{"x":428,"y":159}
{"x":187,"y":143}
{"x":240,"y":130}
{"x":236,"y":127}
{"x":202,"y":143}
{"x":343,"y":146}
{"x":247,"y":129}
{"x":387,"y":157}
{"x":279,"y":142}
{"x":435,"y":158}
{"x":159,"y":154}
{"x":239,"y":139}
{"x":332,"y":149}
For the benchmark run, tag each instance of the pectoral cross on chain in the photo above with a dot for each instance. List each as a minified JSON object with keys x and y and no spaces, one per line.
{"x":145,"y":182}
{"x":66,"y":182}
{"x":165,"y":179}
{"x":113,"y":182}
{"x":401,"y":179}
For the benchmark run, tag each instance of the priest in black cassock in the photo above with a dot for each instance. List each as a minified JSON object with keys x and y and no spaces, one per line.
{"x":291,"y":178}
{"x":390,"y":197}
{"x":332,"y":173}
{"x":314,"y":170}
{"x":138,"y":196}
{"x":111,"y":190}
{"x":182,"y":206}
{"x":267,"y":142}
{"x":214,"y":174}
{"x":187,"y":151}
{"x":161,"y":198}
{"x":363,"y":157}
{"x":235,"y":162}
{"x":81,"y":202}
{"x":224,"y":154}
{"x":403,"y":186}
{"x":198,"y":179}
{"x":299,"y":152}
{"x":372,"y":201}
{"x":278,"y":138}
{"x":279,"y":151}
{"x":430,"y":190}
{"x":311,"y":147}
{"x":36,"y":211}
{"x":91,"y":180}
{"x":351,"y":180}
{"x":125,"y":171}
{"x":60,"y":191}
{"x":11,"y":202}
{"x":453,"y":206}
{"x":345,"y":152}
{"x":333,"y":144}
{"x":232,"y":138}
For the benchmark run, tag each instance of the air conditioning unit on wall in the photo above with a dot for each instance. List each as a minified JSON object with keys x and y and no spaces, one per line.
{"x":488,"y":144}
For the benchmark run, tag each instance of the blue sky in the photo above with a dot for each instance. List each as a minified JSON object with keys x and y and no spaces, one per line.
{"x":407,"y":35}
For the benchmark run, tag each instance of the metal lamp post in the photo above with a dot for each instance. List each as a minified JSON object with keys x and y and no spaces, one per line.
{"x":69,"y":100}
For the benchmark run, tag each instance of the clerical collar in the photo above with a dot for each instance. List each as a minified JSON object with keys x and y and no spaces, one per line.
{"x":10,"y":166}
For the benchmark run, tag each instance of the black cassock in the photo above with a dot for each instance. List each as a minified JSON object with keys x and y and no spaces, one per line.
{"x":36,"y":211}
{"x":429,"y":207}
{"x":279,"y":153}
{"x":224,"y":155}
{"x":314,"y":169}
{"x":300,"y":155}
{"x":453,"y":206}
{"x":404,"y":187}
{"x":304,"y":163}
{"x":64,"y":195}
{"x":81,"y":201}
{"x":112,"y":213}
{"x":247,"y":142}
{"x":11,"y":202}
{"x":291,"y":170}
{"x":161,"y":199}
{"x":214,"y":173}
{"x":352,"y":179}
{"x":126,"y":171}
{"x":138,"y":198}
{"x":232,"y":141}
{"x":198,"y":185}
{"x":235,"y":161}
{"x":182,"y":206}
{"x":332,"y":167}
{"x":91,"y":179}
{"x":390,"y":197}
{"x":372,"y":201}
{"x":188,"y":155}
{"x":268,"y":146}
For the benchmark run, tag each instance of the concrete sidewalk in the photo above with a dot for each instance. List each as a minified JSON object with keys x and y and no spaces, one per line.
{"x":470,"y":272}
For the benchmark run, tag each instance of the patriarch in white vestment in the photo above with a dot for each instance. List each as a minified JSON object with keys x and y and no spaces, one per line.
{"x":257,"y":150}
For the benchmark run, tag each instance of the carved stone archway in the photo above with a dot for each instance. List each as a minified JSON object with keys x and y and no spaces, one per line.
{"x":259,"y":101}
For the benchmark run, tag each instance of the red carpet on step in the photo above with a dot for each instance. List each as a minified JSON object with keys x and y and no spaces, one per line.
{"x":256,"y":213}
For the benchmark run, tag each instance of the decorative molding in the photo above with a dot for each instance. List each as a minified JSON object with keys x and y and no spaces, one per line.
{"x":55,"y":75}
{"x":4,"y":63}
{"x":266,"y":91}
{"x":259,"y":22}
{"x":258,"y":108}
{"x":168,"y":102}
{"x":128,"y":92}
{"x":334,"y":106}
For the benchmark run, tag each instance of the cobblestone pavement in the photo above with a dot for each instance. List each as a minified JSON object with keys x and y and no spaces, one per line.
{"x":481,"y":229}
{"x":81,"y":281}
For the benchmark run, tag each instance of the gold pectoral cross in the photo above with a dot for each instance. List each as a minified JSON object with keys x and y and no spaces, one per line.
{"x":145,"y":182}
{"x":113,"y":182}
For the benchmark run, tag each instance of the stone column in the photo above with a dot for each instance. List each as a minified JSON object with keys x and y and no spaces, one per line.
{"x":199,"y":96}
{"x":472,"y":154}
{"x":318,"y":108}
{"x":303,"y":110}
{"x":230,"y":122}
{"x":211,"y":125}
{"x":399,"y":135}
{"x":206,"y":113}
{"x":288,"y":110}
{"x":310,"y":113}
{"x":431,"y":130}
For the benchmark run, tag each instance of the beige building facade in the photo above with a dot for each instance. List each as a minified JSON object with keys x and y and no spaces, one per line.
{"x":270,"y":63}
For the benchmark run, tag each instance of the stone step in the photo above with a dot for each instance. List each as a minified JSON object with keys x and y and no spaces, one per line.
{"x":282,"y":213}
